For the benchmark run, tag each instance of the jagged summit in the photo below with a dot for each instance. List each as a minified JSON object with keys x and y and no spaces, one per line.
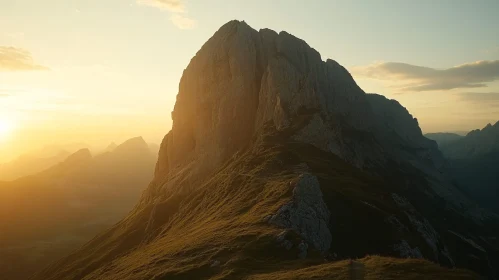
{"x":242,"y":79}
{"x":276,"y":156}
{"x":476,"y":143}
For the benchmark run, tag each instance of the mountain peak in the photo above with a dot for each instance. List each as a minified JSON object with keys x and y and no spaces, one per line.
{"x":79,"y":156}
{"x":242,"y":79}
{"x":476,"y":143}
{"x":111,"y":147}
{"x":136,"y":143}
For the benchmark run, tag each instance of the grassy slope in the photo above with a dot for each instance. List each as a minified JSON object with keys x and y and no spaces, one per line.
{"x":371,"y":267}
{"x":181,"y":236}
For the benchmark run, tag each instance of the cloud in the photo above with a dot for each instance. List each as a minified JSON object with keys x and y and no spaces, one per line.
{"x":16,"y":59}
{"x":175,"y":6}
{"x":482,"y":99}
{"x":183,"y":22}
{"x":177,"y":9}
{"x":419,"y":78}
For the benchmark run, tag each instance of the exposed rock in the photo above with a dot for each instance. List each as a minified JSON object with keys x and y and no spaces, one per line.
{"x":287,"y":244}
{"x":282,"y":236}
{"x":445,"y":252}
{"x":242,"y":79}
{"x":215,"y":263}
{"x":395,"y":127}
{"x":423,"y":226}
{"x":406,"y":251}
{"x":469,"y":241}
{"x":303,"y":249}
{"x":307,"y":214}
{"x":393,"y":221}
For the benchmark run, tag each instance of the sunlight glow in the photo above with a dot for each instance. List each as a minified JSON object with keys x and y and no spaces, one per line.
{"x":6,"y":127}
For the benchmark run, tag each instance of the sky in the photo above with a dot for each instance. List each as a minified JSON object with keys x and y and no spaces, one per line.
{"x":101,"y":71}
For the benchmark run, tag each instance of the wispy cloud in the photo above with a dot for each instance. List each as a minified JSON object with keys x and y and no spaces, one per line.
{"x":178,"y":11}
{"x":16,"y":59}
{"x":176,"y":6}
{"x":182,"y":21}
{"x":419,"y":78}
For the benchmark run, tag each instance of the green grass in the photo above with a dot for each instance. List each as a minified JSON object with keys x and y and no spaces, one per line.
{"x":182,"y":234}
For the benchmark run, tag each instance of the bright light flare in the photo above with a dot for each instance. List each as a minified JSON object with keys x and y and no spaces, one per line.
{"x":6,"y":128}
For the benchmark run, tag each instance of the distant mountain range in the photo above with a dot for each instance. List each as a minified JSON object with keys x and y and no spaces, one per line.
{"x":443,"y":138}
{"x":47,"y":215}
{"x":39,"y":160}
{"x":478,"y":142}
{"x":473,"y":162}
{"x":30,"y":164}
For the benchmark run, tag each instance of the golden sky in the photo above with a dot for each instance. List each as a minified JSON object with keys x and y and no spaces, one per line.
{"x":94,"y":72}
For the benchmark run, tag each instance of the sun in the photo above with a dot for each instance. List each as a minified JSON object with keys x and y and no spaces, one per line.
{"x":6,"y":128}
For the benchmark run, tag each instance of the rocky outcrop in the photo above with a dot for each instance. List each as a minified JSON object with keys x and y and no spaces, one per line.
{"x":406,"y":251}
{"x":306,"y":214}
{"x":424,"y":228}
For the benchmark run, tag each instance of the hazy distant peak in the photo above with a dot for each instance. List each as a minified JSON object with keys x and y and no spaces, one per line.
{"x":477,"y":142}
{"x":81,"y":155}
{"x":488,"y":128}
{"x":111,"y":147}
{"x":133,"y":144}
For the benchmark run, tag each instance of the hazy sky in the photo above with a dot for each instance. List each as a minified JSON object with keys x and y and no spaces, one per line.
{"x":97,"y":71}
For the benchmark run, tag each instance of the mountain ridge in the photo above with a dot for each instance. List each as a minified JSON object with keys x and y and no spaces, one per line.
{"x":477,"y":142}
{"x":46,"y":215}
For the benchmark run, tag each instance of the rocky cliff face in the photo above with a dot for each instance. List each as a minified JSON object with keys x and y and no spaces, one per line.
{"x":242,"y":79}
